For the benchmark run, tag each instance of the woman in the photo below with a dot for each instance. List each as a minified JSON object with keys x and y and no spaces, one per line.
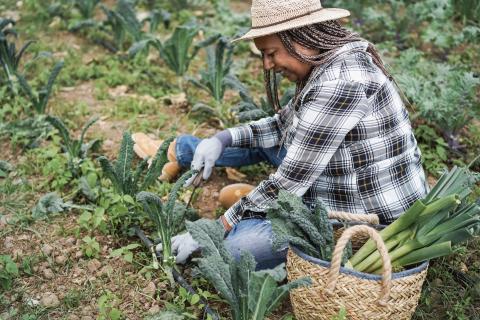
{"x":345,"y":137}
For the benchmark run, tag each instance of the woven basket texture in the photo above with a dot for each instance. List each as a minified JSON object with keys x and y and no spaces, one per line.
{"x":359,"y":296}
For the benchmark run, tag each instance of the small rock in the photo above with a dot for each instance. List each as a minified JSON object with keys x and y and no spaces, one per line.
{"x":5,"y":220}
{"x":71,"y":241}
{"x":118,"y":91}
{"x":93,"y":265}
{"x":463,"y":267}
{"x":19,"y":4}
{"x":86,"y":312}
{"x":78,"y":254}
{"x":150,"y":289}
{"x":60,"y":260}
{"x":32,"y":302}
{"x":47,"y":249}
{"x":177,"y":100}
{"x":48,"y":273}
{"x":8,"y":242}
{"x":49,"y":300}
{"x":154,"y":309}
{"x":23,"y":237}
{"x":73,"y":317}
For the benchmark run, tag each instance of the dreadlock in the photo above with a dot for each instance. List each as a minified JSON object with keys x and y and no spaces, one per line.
{"x":325,"y":37}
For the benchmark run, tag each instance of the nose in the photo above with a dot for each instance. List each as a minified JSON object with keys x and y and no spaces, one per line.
{"x":267,"y":62}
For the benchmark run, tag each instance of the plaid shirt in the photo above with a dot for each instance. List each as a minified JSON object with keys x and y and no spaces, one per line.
{"x":350,"y":143}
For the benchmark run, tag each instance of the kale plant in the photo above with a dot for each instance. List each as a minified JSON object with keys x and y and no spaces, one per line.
{"x":52,"y":203}
{"x":76,"y":150}
{"x":217,"y":77}
{"x":248,"y":110}
{"x":294,"y":223}
{"x":124,"y":179}
{"x":252,"y":295}
{"x":168,"y":219}
{"x":122,"y":22}
{"x":39,"y":99}
{"x":28,"y":133}
{"x":155,"y":17}
{"x":86,"y":7}
{"x":177,"y":51}
{"x":9,"y":55}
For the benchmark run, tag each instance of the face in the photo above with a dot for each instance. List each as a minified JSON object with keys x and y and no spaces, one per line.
{"x":276,"y":57}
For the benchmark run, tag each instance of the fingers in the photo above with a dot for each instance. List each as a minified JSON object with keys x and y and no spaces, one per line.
{"x":197,"y":162}
{"x":176,"y":242}
{"x":159,"y":247}
{"x":182,"y":256}
{"x":189,"y":181}
{"x":207,"y":171}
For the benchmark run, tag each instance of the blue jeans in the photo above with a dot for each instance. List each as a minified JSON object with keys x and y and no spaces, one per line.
{"x":231,"y":157}
{"x":253,"y":235}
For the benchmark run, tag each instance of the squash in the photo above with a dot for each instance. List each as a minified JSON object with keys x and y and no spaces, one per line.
{"x":230,"y":194}
{"x":170,"y":171}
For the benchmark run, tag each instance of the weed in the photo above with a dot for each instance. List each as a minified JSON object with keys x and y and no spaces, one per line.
{"x":76,"y":150}
{"x":125,"y":252}
{"x":434,"y":149}
{"x":89,"y":221}
{"x":8,"y":271}
{"x":107,"y":307}
{"x":73,"y":298}
{"x":90,"y":247}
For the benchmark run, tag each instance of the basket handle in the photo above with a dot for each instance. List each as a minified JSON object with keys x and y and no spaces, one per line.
{"x":337,"y":259}
{"x":340,"y":215}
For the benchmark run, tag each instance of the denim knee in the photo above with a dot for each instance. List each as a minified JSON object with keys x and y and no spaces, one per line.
{"x":185,"y":148}
{"x":255,"y":236}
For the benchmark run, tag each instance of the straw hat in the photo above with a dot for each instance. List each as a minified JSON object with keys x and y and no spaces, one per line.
{"x":272,"y":16}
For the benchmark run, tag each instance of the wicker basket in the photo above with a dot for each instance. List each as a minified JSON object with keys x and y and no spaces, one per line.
{"x":353,"y":219}
{"x":362,"y":295}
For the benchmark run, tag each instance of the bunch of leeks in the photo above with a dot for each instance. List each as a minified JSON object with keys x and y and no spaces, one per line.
{"x":429,"y":229}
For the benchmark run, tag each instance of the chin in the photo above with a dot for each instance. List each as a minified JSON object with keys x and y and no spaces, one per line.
{"x":292,"y":78}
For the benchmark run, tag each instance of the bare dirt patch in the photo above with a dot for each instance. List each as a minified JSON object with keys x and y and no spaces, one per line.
{"x":66,"y":282}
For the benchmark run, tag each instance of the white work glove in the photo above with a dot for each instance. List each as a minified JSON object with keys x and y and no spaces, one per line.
{"x":207,"y":152}
{"x":183,"y":246}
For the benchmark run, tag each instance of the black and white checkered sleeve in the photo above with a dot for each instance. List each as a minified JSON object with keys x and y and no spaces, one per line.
{"x":329,"y":110}
{"x":264,"y":133}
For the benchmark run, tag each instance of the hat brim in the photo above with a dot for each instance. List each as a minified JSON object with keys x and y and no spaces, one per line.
{"x":326,"y":14}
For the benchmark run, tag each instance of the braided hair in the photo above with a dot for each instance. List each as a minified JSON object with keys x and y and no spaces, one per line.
{"x":325,"y":37}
